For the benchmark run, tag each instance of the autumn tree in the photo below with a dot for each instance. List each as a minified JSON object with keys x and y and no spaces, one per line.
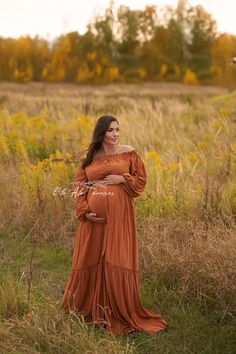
{"x":202,"y":36}
{"x":222,"y":52}
{"x":154,"y":44}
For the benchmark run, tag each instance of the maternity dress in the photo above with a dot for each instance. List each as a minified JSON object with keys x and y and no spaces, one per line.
{"x":104,"y":284}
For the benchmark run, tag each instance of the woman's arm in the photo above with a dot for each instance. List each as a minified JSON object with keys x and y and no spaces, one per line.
{"x":136,"y":179}
{"x":81,"y":190}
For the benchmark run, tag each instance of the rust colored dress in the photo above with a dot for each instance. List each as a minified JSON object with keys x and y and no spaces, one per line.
{"x":104,"y":283}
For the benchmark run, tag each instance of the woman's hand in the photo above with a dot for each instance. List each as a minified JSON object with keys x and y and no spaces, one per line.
{"x":91,"y":217}
{"x":114,"y":179}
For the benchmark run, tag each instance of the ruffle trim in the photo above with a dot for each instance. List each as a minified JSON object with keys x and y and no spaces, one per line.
{"x":110,"y":297}
{"x":124,"y":154}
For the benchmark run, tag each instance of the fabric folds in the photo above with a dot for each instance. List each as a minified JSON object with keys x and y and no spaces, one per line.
{"x":137,"y":177}
{"x":104,"y":282}
{"x":109,"y":296}
{"x":81,"y":190}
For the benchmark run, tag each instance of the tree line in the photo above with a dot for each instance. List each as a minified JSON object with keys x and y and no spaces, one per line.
{"x":125,"y":45}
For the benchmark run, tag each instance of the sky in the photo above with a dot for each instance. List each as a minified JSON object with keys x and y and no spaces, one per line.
{"x":50,"y":18}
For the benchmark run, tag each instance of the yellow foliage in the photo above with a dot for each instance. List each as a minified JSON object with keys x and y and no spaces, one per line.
{"x":81,"y":124}
{"x":84,"y":73}
{"x":4,"y":151}
{"x":190,"y":78}
{"x":113,"y":73}
{"x":154,"y":157}
{"x":192,"y":156}
{"x":142,"y":72}
{"x":17,"y":145}
{"x":177,"y":70}
{"x":53,"y":72}
{"x":45,"y":72}
{"x":66,"y":45}
{"x":27,"y":136}
{"x":91,"y":56}
{"x":104,"y":61}
{"x":61,"y":155}
{"x":18,"y":120}
{"x":17,"y":73}
{"x":98,"y":69}
{"x":174,"y":166}
{"x":201,"y":144}
{"x":24,"y":75}
{"x":60,"y":73}
{"x":46,"y":174}
{"x":84,"y":143}
{"x":163,"y":70}
{"x":224,"y":111}
{"x":37,"y":123}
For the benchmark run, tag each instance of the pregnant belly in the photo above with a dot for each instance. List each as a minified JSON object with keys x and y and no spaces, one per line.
{"x":97,"y":200}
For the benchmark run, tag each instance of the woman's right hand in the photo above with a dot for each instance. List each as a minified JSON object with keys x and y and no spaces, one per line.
{"x":93,"y":218}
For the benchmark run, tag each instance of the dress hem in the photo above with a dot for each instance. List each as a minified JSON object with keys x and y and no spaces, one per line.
{"x":115,"y":301}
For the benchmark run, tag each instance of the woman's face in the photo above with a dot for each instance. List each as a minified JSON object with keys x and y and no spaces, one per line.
{"x":112,"y":133}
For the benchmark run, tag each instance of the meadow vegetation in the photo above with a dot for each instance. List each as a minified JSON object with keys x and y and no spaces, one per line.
{"x":185,"y":218}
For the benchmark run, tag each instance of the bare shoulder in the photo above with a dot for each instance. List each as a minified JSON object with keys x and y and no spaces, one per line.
{"x":84,"y":155}
{"x":126,"y":148}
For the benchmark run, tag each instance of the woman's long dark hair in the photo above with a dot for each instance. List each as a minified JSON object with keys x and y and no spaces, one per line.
{"x":99,"y":132}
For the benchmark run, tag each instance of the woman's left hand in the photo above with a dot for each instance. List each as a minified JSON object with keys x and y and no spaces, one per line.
{"x":114,"y":179}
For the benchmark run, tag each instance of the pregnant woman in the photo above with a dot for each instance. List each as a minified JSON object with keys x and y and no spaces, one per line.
{"x":103,"y":285}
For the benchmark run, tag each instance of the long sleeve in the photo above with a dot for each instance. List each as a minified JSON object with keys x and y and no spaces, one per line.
{"x":81,"y":190}
{"x":137,"y":177}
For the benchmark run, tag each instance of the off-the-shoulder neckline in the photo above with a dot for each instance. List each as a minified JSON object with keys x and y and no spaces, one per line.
{"x":106,"y":156}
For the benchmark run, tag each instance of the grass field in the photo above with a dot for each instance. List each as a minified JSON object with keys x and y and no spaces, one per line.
{"x":185,"y":218}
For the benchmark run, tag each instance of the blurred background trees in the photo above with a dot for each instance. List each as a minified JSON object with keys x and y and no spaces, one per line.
{"x":125,"y":45}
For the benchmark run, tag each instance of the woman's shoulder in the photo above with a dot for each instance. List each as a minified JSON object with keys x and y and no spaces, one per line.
{"x":84,"y":155}
{"x":126,"y":148}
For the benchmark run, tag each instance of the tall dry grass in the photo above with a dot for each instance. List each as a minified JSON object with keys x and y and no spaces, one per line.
{"x":42,"y":328}
{"x":197,"y":262}
{"x":185,"y":218}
